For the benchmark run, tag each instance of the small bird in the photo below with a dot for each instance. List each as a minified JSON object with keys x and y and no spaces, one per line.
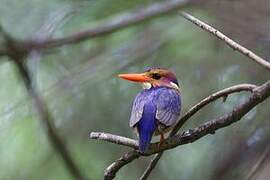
{"x":155,"y":109}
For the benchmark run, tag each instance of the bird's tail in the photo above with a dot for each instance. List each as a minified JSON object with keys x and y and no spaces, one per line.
{"x":146,"y":127}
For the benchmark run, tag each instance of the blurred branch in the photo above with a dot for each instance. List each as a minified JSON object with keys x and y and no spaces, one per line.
{"x":3,"y":52}
{"x":108,"y":26}
{"x":258,"y":95}
{"x":234,"y":45}
{"x":116,"y":23}
{"x":259,"y":165}
{"x":47,"y":121}
{"x":5,"y":38}
{"x":18,"y":53}
{"x":54,"y":20}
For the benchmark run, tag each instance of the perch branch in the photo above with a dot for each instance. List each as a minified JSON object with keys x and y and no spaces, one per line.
{"x":234,"y":45}
{"x":258,"y":95}
{"x":114,"y":139}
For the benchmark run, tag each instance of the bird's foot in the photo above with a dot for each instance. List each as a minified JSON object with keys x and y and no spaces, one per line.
{"x":161,"y":140}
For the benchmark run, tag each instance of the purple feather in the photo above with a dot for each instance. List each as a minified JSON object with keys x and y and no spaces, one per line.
{"x":153,"y":106}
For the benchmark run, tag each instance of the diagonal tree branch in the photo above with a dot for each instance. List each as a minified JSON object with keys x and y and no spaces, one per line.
{"x":259,"y":165}
{"x":113,"y":24}
{"x":234,"y":45}
{"x":47,"y":120}
{"x":222,"y":93}
{"x":107,"y":26}
{"x":18,"y":54}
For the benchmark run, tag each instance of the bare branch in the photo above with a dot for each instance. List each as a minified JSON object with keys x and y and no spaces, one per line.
{"x":47,"y":120}
{"x":111,"y":171}
{"x":118,"y":22}
{"x":259,"y":165}
{"x":3,"y":52}
{"x":234,"y":45}
{"x":114,"y":139}
{"x":208,"y":100}
{"x":151,"y":166}
{"x":258,"y":95}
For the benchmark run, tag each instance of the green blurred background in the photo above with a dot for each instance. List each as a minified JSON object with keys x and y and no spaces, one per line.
{"x":80,"y":86}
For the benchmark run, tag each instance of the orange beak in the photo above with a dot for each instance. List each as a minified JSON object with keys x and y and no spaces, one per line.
{"x":142,"y":77}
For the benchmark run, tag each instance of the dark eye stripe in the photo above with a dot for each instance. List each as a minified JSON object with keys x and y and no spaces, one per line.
{"x":156,"y":76}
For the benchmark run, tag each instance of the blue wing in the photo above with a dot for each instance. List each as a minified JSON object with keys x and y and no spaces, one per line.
{"x":137,"y":109}
{"x":166,"y":100}
{"x":168,"y":106}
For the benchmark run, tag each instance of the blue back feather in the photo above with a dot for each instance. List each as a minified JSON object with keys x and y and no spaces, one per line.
{"x":146,"y":126}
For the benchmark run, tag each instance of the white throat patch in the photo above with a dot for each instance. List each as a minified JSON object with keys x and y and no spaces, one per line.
{"x":174,"y":86}
{"x":146,"y":85}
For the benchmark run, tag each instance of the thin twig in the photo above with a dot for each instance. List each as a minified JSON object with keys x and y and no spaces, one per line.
{"x":47,"y":121}
{"x":111,"y":25}
{"x":234,"y":45}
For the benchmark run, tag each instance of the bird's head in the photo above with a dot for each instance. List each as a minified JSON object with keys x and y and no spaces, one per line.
{"x":153,"y":77}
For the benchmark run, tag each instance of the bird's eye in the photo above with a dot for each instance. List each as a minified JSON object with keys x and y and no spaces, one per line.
{"x":156,"y":76}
